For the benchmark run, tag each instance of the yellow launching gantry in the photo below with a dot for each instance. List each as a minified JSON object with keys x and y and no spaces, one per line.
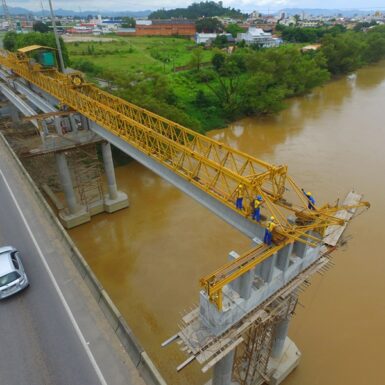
{"x":213,"y":167}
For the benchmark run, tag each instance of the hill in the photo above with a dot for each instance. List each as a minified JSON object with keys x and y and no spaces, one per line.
{"x":197,"y":10}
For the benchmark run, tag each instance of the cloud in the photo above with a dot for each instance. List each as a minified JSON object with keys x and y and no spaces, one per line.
{"x":246,"y":5}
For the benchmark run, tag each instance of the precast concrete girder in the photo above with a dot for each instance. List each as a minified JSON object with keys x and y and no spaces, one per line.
{"x":235,"y":219}
{"x":19,"y":103}
{"x":42,"y":104}
{"x":20,"y":86}
{"x":238,"y":221}
{"x":35,"y":99}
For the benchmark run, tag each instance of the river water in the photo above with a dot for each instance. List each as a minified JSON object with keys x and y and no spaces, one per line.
{"x":150,"y":256}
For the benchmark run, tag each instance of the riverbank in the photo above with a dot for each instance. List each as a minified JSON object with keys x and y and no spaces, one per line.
{"x":247,"y":82}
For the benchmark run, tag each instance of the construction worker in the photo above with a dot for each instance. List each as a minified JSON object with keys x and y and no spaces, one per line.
{"x":269,"y":231}
{"x":239,"y":193}
{"x":257,"y":208}
{"x":311,"y":205}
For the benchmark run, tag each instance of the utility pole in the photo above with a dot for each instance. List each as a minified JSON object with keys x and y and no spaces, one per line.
{"x":61,"y":61}
{"x":7,"y":15}
{"x":42,"y":8}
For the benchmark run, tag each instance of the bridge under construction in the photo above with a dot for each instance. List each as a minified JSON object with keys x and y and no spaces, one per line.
{"x":239,"y":329}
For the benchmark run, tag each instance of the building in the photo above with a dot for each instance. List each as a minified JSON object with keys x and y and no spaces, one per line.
{"x":162,"y":28}
{"x":167,"y":28}
{"x":257,"y":36}
{"x":203,"y":38}
{"x":208,"y":38}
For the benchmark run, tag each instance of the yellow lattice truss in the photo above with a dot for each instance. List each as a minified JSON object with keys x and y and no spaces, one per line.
{"x":213,"y":167}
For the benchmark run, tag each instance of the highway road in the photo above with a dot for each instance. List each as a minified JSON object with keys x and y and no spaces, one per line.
{"x":36,"y":331}
{"x":53,"y":332}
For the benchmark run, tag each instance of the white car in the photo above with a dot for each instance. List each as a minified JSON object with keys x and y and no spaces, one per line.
{"x":12,"y":274}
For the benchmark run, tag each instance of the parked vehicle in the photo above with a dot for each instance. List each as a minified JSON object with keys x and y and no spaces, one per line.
{"x":12,"y":275}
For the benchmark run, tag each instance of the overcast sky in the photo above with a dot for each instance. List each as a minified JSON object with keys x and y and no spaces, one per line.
{"x":245,"y":5}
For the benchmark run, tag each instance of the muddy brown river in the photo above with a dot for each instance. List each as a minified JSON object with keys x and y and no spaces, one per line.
{"x":150,"y":256}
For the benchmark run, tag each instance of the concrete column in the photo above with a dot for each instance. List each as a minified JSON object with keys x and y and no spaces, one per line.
{"x":73,"y":123}
{"x":14,"y":112}
{"x":243,"y":284}
{"x":85,"y":122}
{"x":45,"y":128}
{"x":280,"y":334}
{"x":65,"y":179}
{"x":267,"y":268}
{"x":283,"y":257}
{"x":110,"y":171}
{"x":57,"y":121}
{"x":223,"y":370}
{"x":300,"y":249}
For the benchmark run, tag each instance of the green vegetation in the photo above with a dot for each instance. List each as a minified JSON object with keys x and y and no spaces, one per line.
{"x":209,"y":25}
{"x":39,"y":26}
{"x":234,"y":29}
{"x":346,"y":52}
{"x":128,"y":22}
{"x":197,"y":10}
{"x":212,"y":87}
{"x":12,"y":41}
{"x":294,"y":34}
{"x":134,"y":54}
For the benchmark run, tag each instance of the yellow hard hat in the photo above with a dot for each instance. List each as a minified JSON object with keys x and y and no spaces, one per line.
{"x":272,"y":218}
{"x":308,"y":193}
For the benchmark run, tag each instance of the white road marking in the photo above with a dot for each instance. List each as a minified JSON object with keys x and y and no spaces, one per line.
{"x":59,"y":292}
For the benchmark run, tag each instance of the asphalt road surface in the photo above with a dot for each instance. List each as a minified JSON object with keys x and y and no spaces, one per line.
{"x":39,"y":344}
{"x":52,"y":333}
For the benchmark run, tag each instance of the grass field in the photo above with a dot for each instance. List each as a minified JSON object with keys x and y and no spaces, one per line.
{"x":136,"y":54}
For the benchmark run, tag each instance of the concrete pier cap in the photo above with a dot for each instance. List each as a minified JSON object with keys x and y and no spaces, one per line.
{"x":250,"y":290}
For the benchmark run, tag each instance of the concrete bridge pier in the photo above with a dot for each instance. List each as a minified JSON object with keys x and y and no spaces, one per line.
{"x":222,"y":371}
{"x":75,"y":214}
{"x":114,"y":200}
{"x":14,"y":114}
{"x":280,"y":334}
{"x":285,"y":356}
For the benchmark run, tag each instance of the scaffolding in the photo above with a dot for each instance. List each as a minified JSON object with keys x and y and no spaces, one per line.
{"x":87,"y":173}
{"x":252,"y":357}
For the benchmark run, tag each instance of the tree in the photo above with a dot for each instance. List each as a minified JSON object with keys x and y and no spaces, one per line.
{"x":13,"y":41}
{"x":218,"y":60}
{"x":208,"y":25}
{"x":344,"y":52}
{"x":234,"y":29}
{"x":128,"y":22}
{"x":220,"y":41}
{"x":227,"y":86}
{"x":9,"y":41}
{"x":40,"y":27}
{"x":196,"y":58}
{"x":198,"y":10}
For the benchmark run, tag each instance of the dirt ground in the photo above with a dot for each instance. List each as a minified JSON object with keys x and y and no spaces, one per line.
{"x":81,"y":38}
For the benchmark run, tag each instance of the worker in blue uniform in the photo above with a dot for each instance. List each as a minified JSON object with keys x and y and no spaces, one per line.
{"x":239,"y":194}
{"x":269,"y":231}
{"x":311,"y":205}
{"x":257,"y":208}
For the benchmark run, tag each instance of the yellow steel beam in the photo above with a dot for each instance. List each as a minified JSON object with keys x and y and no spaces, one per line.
{"x":210,"y":165}
{"x":214,"y":283}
